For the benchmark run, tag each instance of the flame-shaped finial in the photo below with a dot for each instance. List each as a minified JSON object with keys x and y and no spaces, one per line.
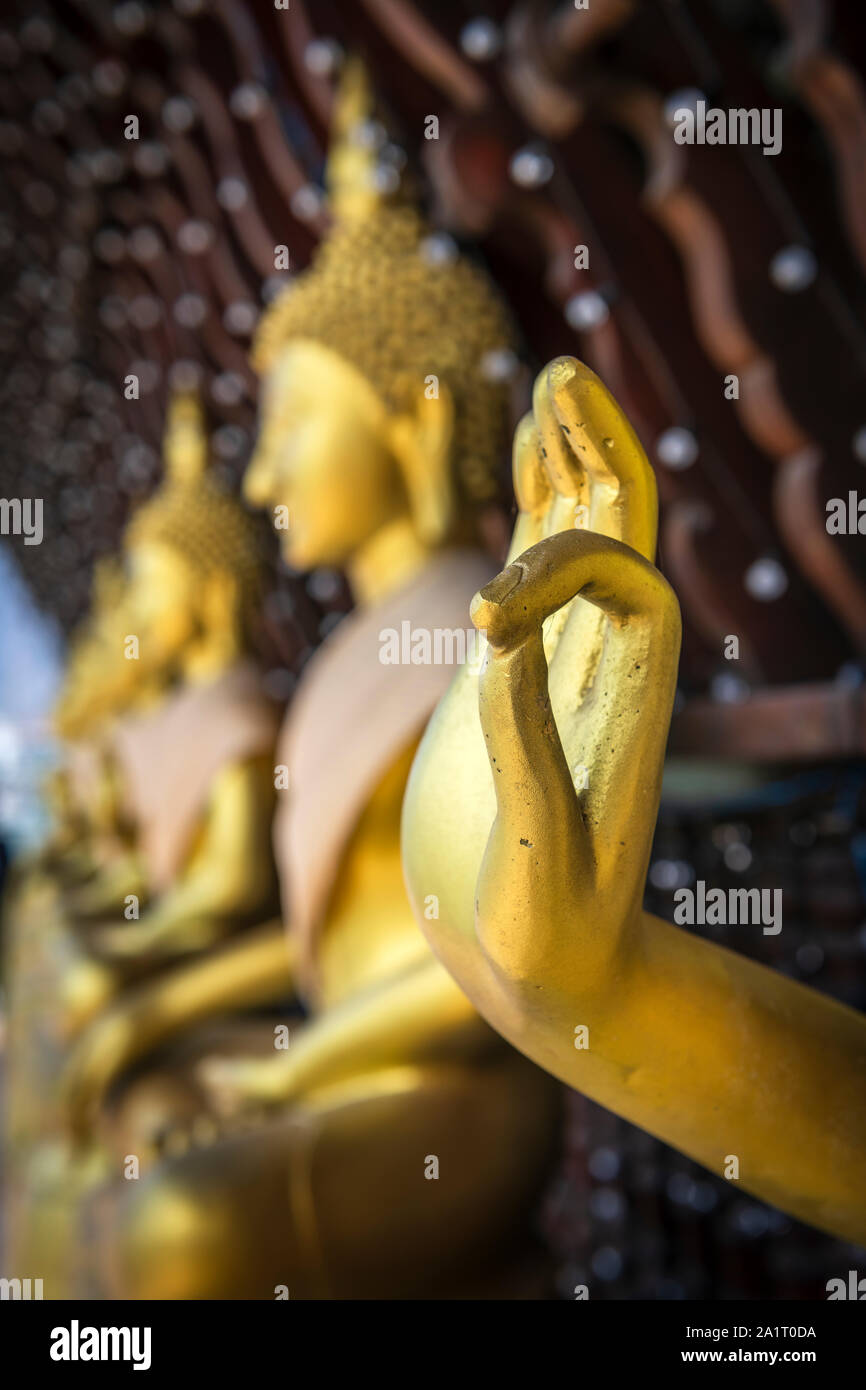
{"x":185,"y":440}
{"x":357,"y":179}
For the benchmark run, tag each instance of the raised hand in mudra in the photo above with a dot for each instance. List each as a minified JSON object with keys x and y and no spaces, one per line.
{"x":527,"y":829}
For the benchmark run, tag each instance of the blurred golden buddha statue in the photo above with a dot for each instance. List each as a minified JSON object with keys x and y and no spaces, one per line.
{"x":163,"y":854}
{"x":81,"y":793}
{"x":169,"y":720}
{"x":396,"y":1147}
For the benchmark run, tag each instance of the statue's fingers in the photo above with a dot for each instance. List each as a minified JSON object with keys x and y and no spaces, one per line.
{"x":538,"y":867}
{"x":531,"y":483}
{"x":604,"y":454}
{"x":612,"y":713}
{"x":547,"y":576}
{"x":556,"y":436}
{"x":546,"y":840}
{"x":532,"y":487}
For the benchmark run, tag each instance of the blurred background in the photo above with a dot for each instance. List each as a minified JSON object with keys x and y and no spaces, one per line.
{"x":721,"y":298}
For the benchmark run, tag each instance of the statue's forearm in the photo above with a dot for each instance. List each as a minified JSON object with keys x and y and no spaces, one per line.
{"x":720,"y":1057}
{"x":230,"y":877}
{"x":419,"y":1017}
{"x":189,"y":918}
{"x":256,"y":970}
{"x":202,"y":908}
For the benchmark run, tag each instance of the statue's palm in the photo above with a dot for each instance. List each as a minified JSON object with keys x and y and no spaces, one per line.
{"x":506,"y":823}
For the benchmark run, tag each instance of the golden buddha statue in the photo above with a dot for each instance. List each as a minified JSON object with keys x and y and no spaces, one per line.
{"x":396,"y":1147}
{"x":81,"y":794}
{"x":185,"y":735}
{"x":170,"y":786}
{"x":533,"y":826}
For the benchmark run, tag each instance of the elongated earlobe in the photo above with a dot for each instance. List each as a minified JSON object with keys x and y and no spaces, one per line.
{"x":422,"y":439}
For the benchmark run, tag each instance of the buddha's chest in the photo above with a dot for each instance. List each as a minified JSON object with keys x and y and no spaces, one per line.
{"x":369,"y":932}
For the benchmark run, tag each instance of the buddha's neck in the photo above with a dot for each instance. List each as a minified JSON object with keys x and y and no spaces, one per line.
{"x":208,"y":659}
{"x":386,"y":562}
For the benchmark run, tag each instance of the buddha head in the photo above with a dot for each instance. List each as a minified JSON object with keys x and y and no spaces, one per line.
{"x":383,"y":403}
{"x":180,"y":603}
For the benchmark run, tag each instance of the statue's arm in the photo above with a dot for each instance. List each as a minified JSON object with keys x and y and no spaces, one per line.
{"x":418,"y":1017}
{"x":230,"y":875}
{"x":722,"y":1058}
{"x":257,"y":969}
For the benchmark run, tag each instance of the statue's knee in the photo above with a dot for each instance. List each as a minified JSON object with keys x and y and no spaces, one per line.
{"x":171,"y":1240}
{"x":214,"y":1223}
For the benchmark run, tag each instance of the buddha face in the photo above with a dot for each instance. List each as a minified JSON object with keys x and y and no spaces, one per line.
{"x":161,"y":603}
{"x":158,"y":603}
{"x":323,"y":456}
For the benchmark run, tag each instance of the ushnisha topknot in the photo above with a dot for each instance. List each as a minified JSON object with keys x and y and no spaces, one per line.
{"x":396,"y":300}
{"x":193,"y":514}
